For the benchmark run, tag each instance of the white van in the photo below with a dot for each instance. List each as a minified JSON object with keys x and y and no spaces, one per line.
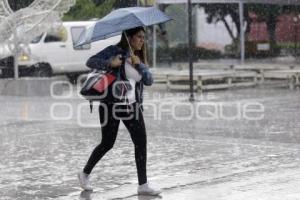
{"x":54,"y":53}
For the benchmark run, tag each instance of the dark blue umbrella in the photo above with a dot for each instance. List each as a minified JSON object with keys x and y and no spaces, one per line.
{"x":122,"y":19}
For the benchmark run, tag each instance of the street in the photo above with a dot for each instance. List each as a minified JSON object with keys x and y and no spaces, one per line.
{"x":211,"y":152}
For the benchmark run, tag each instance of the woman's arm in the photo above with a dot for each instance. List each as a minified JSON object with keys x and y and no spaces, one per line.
{"x":102,"y":60}
{"x":147,"y":78}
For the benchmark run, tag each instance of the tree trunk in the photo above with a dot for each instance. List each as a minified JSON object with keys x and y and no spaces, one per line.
{"x":236,"y":20}
{"x":228,"y":28}
{"x":271,"y":24}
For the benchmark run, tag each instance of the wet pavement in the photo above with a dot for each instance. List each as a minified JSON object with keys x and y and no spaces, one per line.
{"x":231,"y":144}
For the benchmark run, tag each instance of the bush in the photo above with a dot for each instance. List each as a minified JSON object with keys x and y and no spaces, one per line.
{"x":180,"y":53}
{"x":253,"y":52}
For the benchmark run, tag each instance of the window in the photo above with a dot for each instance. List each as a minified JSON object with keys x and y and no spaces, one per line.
{"x":60,"y":35}
{"x":37,"y":39}
{"x":52,"y":38}
{"x":76,"y":33}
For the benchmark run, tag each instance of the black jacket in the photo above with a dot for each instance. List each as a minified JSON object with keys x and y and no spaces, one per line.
{"x":101,"y":61}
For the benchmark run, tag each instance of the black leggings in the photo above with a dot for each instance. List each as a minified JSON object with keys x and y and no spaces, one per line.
{"x":132,"y":117}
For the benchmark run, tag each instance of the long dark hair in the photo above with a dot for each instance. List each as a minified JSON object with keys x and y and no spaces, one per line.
{"x":124,"y":43}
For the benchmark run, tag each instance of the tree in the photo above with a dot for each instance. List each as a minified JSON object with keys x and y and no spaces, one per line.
{"x":18,"y":4}
{"x":83,"y":9}
{"x":267,"y":13}
{"x":118,"y":3}
{"x":219,"y":12}
{"x":127,"y":3}
{"x":270,"y":14}
{"x":86,"y":9}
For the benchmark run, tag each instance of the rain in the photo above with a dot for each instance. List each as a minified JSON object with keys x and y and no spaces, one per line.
{"x":221,"y":117}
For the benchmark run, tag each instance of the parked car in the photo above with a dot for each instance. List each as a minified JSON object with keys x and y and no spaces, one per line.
{"x":54,"y":53}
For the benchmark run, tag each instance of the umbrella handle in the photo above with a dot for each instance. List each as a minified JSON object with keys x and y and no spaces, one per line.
{"x":131,"y":51}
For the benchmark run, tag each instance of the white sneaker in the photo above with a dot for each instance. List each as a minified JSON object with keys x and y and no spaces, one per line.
{"x":84,"y":181}
{"x":145,"y":189}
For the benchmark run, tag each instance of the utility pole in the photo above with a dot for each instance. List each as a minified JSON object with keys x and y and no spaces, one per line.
{"x":190,"y":51}
{"x":16,"y":55}
{"x":242,"y":32}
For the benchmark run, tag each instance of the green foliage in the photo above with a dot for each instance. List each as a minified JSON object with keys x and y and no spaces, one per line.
{"x":118,"y":3}
{"x":270,"y":14}
{"x":126,"y":3}
{"x":266,"y":13}
{"x":288,"y":45}
{"x":180,"y":53}
{"x":82,"y":10}
{"x":86,"y":9}
{"x":18,"y":4}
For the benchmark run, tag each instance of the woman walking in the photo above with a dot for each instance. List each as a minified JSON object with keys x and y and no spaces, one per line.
{"x":129,"y":59}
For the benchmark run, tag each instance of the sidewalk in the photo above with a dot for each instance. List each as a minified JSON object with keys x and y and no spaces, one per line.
{"x":271,"y":172}
{"x":193,"y":159}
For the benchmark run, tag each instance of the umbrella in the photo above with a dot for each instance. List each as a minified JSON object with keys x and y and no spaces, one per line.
{"x":122,"y":19}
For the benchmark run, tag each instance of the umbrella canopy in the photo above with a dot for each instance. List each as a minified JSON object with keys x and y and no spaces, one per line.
{"x":122,"y":19}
